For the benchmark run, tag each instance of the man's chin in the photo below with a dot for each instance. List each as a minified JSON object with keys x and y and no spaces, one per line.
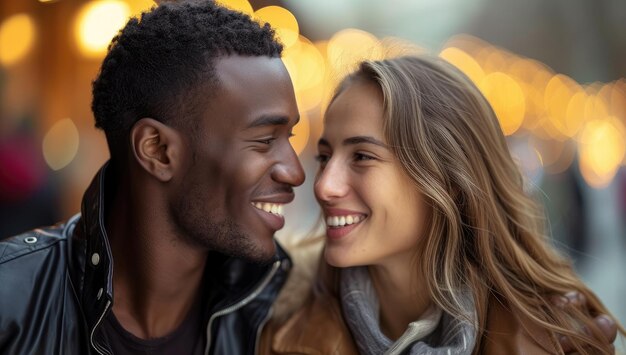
{"x":263,"y":255}
{"x":258,"y":249}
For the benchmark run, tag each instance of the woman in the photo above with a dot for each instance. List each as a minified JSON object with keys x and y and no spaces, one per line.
{"x":431,"y":244}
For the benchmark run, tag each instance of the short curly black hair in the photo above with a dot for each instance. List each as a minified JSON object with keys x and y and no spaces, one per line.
{"x":162,"y":65}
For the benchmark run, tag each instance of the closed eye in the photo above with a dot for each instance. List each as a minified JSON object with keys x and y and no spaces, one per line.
{"x":267,"y":141}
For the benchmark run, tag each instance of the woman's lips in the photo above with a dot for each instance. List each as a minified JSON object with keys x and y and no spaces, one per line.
{"x":342,"y":222}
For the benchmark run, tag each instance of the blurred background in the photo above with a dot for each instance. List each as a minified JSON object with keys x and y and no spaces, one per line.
{"x":555,"y":72}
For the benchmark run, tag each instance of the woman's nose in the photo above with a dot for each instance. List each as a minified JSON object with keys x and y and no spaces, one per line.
{"x":330,"y":182}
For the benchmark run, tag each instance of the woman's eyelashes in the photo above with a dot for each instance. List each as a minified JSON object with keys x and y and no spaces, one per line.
{"x":323,"y":158}
{"x":363,"y":157}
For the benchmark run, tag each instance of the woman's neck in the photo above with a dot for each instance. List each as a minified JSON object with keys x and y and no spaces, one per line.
{"x":401,"y":296}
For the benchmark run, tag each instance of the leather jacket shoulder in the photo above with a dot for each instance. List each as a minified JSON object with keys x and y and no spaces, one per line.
{"x":39,"y":310}
{"x":56,"y":287}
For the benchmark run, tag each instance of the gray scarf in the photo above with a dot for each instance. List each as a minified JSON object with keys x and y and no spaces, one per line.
{"x":435,"y":333}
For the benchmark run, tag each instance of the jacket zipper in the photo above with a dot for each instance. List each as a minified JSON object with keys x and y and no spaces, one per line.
{"x":240,"y":304}
{"x":98,"y":348}
{"x":260,"y":329}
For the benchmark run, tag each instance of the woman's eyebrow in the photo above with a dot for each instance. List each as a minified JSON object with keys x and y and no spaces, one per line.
{"x":355,"y":140}
{"x":363,"y":139}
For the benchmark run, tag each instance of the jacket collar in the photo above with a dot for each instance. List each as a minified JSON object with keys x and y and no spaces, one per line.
{"x":227,"y":280}
{"x":96,"y":280}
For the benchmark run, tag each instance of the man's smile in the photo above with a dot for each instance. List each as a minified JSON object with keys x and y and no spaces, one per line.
{"x":271,"y":213}
{"x":274,"y":208}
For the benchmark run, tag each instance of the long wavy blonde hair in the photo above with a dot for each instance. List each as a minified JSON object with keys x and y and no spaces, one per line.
{"x":485,"y":233}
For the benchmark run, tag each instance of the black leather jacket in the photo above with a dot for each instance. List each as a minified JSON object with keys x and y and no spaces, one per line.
{"x":56,"y":287}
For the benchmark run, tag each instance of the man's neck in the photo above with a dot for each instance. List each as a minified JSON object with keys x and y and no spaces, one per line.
{"x":157,"y":276}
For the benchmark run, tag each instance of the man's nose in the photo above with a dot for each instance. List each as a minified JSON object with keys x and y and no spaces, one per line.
{"x":289,"y":170}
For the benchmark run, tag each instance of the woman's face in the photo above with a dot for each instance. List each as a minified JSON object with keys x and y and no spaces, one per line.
{"x":374,"y":213}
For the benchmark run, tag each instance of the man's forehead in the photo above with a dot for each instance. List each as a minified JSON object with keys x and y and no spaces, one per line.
{"x":246,"y":68}
{"x":252,"y":91}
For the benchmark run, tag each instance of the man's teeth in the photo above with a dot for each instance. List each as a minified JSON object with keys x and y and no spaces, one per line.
{"x":275,"y":208}
{"x":340,"y":221}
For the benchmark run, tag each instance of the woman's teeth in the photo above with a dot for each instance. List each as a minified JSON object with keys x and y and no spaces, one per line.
{"x":340,"y":221}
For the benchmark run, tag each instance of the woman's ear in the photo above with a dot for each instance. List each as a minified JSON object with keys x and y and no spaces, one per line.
{"x":157,"y":148}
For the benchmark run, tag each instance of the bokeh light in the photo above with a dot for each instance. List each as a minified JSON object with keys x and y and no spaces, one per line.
{"x":138,"y":6}
{"x":97,"y":23}
{"x":348,"y":47}
{"x":60,"y":144}
{"x":574,"y":114}
{"x":618,"y":99}
{"x":558,"y":93}
{"x":468,"y":44}
{"x":602,"y":146}
{"x":301,"y":133}
{"x":493,"y":59}
{"x":282,"y":21}
{"x":464,"y":62}
{"x":305,"y":63}
{"x":506,"y":98}
{"x":595,"y":108}
{"x":17,"y":36}
{"x":238,"y":5}
{"x":307,"y":68}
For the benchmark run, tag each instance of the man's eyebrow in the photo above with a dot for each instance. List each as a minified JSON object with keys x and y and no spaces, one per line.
{"x":355,"y":140}
{"x":271,"y":120}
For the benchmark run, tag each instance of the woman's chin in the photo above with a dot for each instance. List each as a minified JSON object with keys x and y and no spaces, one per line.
{"x":338,"y":259}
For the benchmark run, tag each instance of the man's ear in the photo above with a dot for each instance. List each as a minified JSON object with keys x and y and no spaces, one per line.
{"x":156,"y":147}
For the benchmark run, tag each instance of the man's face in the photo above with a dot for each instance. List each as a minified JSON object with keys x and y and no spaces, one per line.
{"x":240,"y":168}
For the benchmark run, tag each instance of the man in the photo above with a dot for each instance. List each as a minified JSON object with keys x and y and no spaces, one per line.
{"x":174,"y":250}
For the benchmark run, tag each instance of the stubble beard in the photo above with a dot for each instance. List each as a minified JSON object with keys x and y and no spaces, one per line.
{"x":215,"y":233}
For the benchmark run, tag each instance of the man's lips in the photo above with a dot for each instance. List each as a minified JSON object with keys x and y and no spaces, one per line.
{"x":282,"y":198}
{"x":271,"y":209}
{"x":273,"y":204}
{"x":274,"y":208}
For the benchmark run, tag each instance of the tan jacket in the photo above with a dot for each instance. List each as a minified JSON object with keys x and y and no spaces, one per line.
{"x":317,"y":326}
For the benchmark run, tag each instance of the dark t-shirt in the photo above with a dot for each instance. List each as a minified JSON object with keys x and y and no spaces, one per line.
{"x":188,"y":338}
